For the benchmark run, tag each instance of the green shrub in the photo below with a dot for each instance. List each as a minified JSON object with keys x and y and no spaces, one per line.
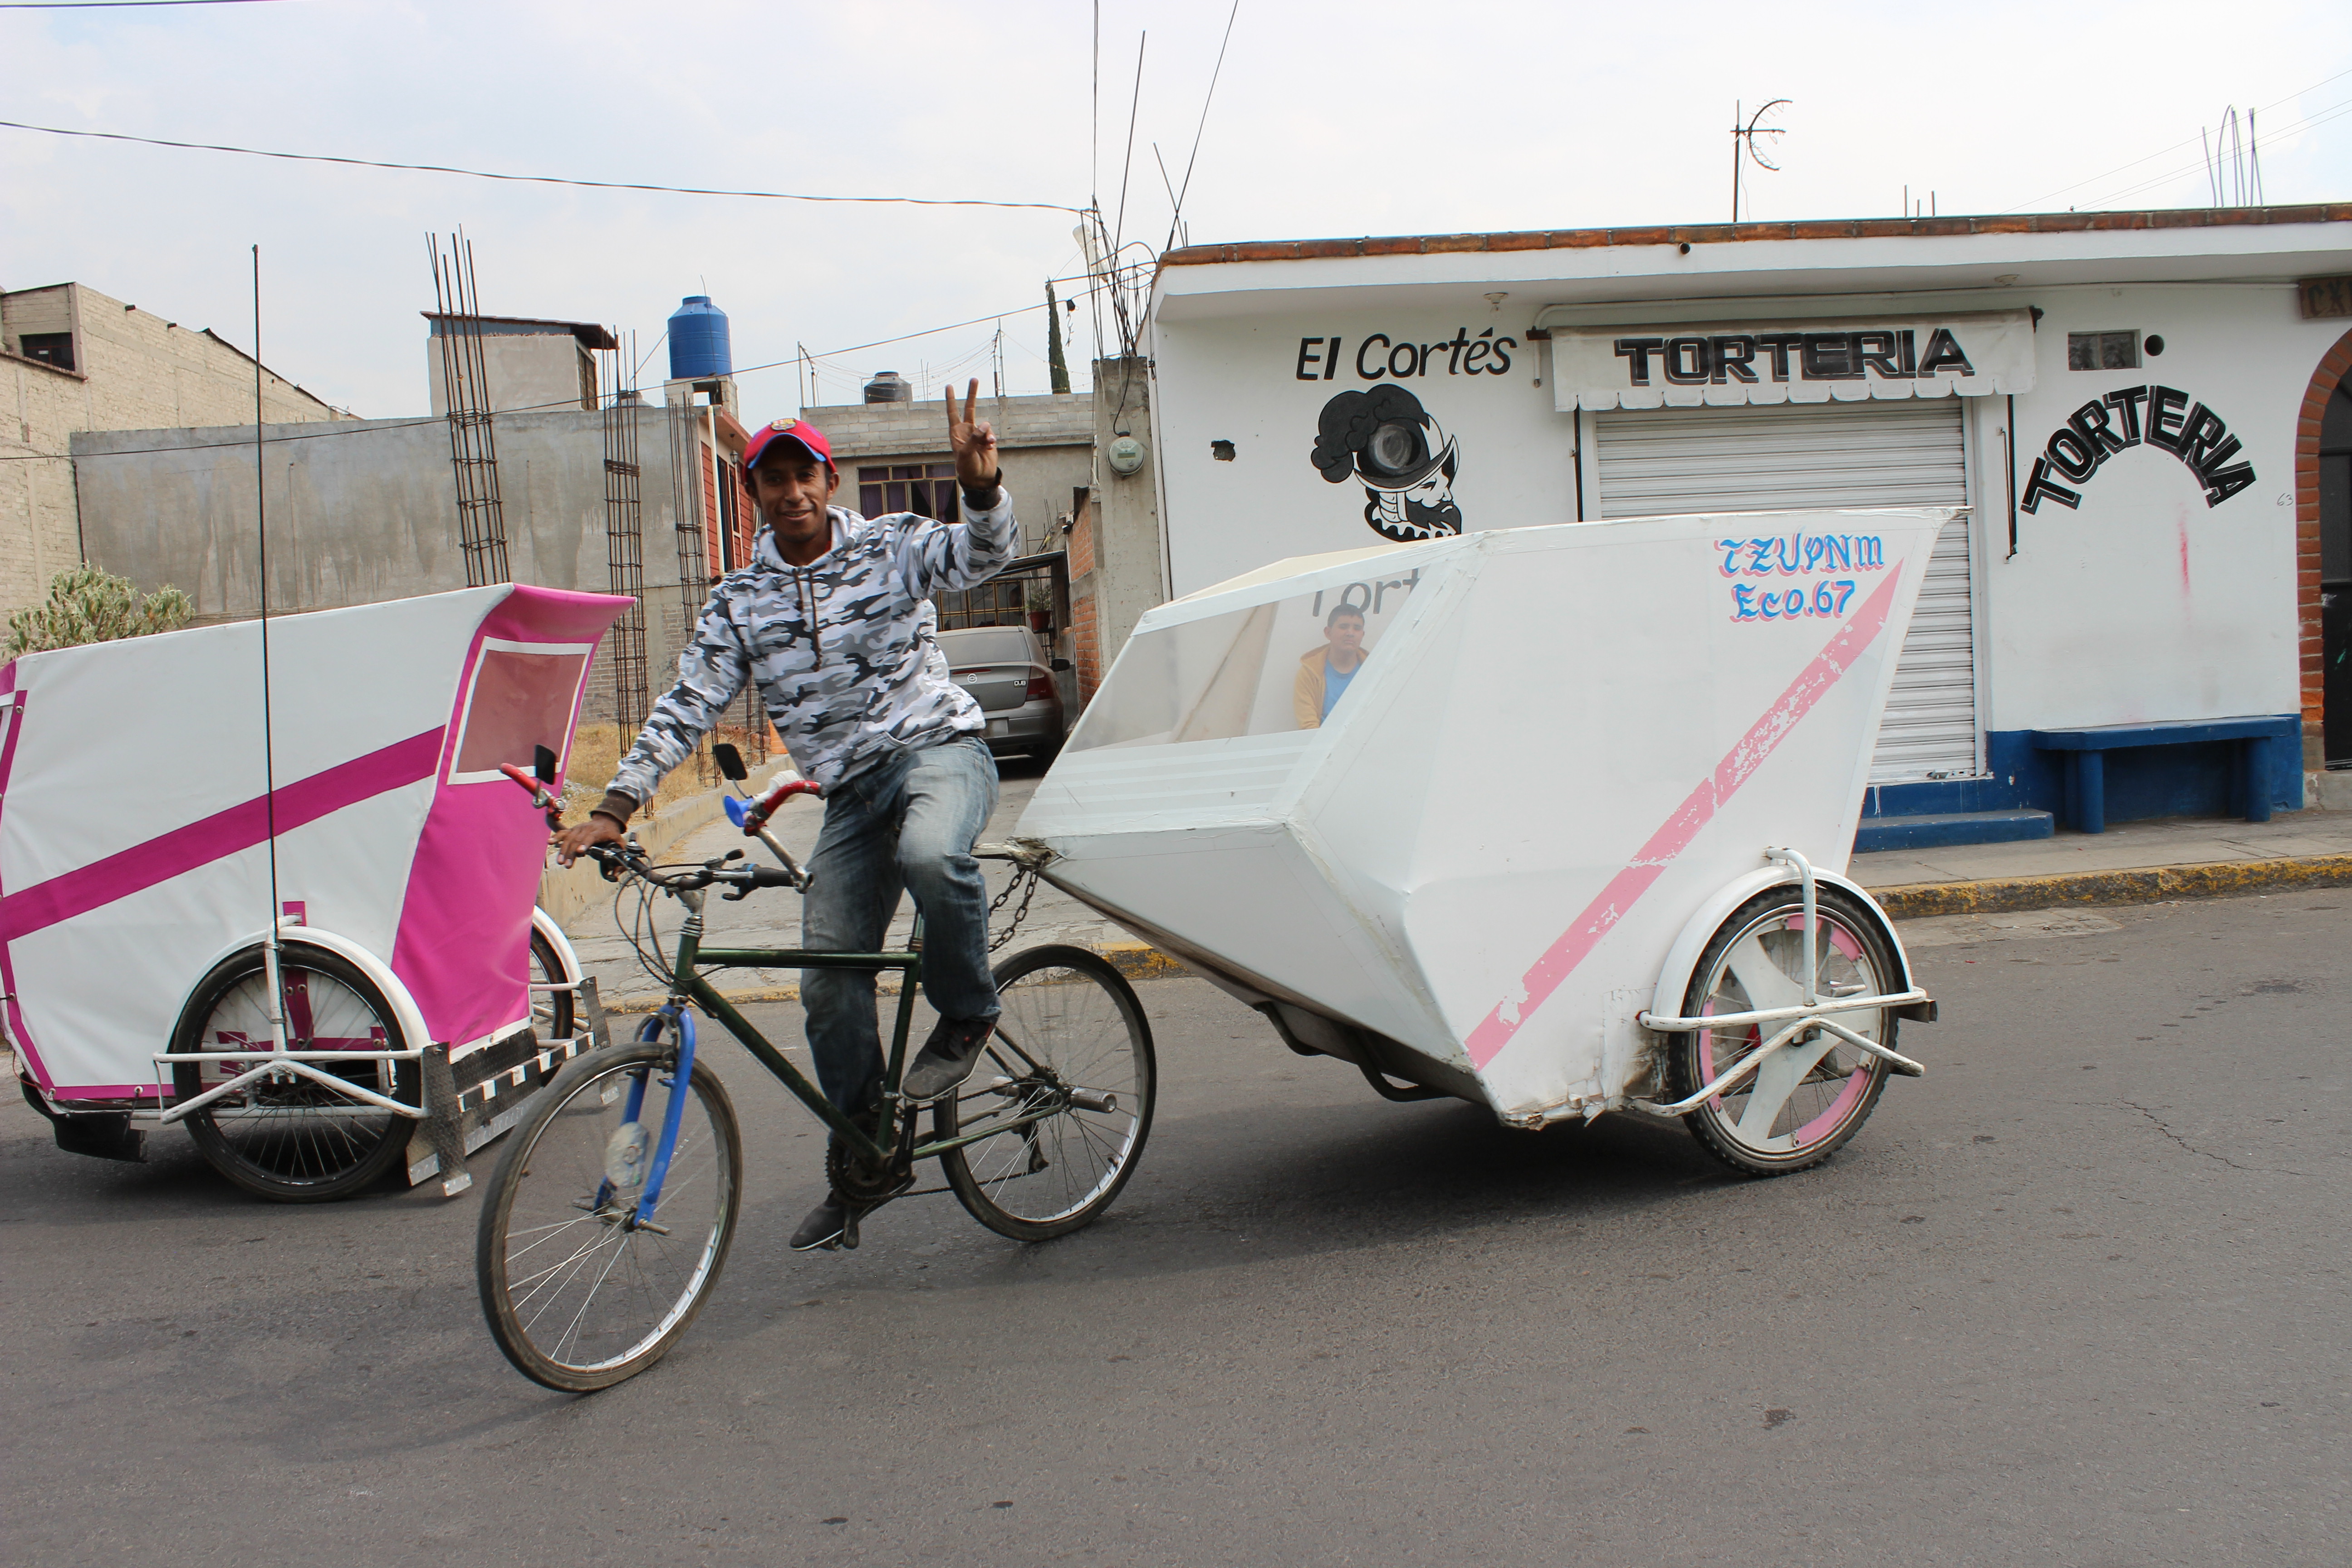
{"x":87,"y":605}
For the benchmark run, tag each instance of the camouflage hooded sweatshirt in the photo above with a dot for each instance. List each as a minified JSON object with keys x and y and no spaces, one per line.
{"x":839,"y":646}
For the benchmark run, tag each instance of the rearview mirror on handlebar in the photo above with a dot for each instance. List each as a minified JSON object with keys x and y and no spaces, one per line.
{"x":730,"y":761}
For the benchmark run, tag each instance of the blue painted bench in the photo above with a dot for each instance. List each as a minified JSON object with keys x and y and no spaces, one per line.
{"x":2087,"y":749}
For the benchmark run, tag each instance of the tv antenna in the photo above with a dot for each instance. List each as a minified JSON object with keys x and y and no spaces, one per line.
{"x":1747,"y":132}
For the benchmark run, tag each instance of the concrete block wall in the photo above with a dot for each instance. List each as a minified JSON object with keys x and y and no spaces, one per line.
{"x":38,"y":534}
{"x":1046,"y":445}
{"x":369,"y":513}
{"x":132,"y":370}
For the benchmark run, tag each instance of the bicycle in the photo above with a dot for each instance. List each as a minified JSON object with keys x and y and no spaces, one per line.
{"x":602,"y":1232}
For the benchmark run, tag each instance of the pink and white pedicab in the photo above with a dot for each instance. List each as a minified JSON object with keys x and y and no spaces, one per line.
{"x":1571,"y":841}
{"x":419,"y":993}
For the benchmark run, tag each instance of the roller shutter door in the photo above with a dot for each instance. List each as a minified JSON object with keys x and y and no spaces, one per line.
{"x":1672,"y":460}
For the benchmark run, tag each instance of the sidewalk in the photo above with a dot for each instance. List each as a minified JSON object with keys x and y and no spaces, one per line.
{"x":2137,"y":862}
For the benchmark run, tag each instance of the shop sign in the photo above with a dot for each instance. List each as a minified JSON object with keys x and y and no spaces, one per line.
{"x":2127,"y":418}
{"x":2324,"y":297}
{"x":1689,"y":364}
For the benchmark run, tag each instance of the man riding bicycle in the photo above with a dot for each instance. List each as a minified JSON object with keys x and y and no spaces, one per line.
{"x":830,"y":619}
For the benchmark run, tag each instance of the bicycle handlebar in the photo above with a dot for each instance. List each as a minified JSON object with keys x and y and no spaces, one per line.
{"x":756,"y":811}
{"x":628,"y":859}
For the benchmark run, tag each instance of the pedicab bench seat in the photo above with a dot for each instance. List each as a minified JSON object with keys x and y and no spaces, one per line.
{"x":136,"y":830}
{"x":1563,"y":743}
{"x":2257,"y":741}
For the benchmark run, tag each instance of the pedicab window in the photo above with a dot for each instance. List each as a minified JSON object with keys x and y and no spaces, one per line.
{"x":1227,"y":675}
{"x":523,"y":695}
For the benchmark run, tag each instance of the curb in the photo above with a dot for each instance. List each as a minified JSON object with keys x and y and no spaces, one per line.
{"x":2144,"y":885}
{"x":1131,"y":959}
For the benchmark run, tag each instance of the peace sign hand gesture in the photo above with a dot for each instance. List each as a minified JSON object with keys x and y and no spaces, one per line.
{"x":974,"y":443}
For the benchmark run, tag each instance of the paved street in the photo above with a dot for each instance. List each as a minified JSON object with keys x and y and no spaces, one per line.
{"x":2078,"y":1297}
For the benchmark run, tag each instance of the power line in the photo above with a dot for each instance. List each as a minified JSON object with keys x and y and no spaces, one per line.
{"x":113,"y":5}
{"x":2136,"y":163}
{"x":541,"y":179}
{"x":336,"y":428}
{"x":2333,"y":111}
{"x":1185,"y":189}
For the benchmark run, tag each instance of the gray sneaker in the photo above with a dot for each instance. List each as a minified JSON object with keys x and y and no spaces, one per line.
{"x":947,"y":1058}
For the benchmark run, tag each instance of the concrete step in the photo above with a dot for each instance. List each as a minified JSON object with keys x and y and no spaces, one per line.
{"x":1929,"y":832}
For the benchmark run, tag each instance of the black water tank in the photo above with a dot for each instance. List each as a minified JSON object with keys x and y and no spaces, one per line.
{"x":889,"y":387}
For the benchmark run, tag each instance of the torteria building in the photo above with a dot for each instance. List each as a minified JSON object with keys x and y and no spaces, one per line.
{"x":2139,"y":609}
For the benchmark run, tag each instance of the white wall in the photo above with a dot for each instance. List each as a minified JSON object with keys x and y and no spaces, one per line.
{"x":2145,"y":602}
{"x":2142,"y":604}
{"x":1236,"y":379}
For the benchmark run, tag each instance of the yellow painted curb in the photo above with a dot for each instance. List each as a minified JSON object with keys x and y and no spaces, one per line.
{"x":2144,"y":885}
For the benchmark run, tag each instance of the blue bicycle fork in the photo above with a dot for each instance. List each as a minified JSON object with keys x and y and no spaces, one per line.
{"x":681,"y":1085}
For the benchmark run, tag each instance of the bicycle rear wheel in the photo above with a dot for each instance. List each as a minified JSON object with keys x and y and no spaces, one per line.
{"x":577,"y":1294}
{"x":1062,"y":1103}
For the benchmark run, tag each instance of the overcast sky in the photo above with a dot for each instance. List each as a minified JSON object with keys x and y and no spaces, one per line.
{"x":1368,"y":117}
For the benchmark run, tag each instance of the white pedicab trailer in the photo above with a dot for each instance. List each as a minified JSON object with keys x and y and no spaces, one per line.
{"x":143,"y":851}
{"x":1570,"y":841}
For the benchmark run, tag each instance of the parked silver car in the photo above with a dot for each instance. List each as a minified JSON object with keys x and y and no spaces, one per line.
{"x":1011,"y":675}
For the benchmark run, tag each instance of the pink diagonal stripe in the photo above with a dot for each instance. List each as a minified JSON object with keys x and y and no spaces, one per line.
{"x":1739,"y":765}
{"x":224,"y":832}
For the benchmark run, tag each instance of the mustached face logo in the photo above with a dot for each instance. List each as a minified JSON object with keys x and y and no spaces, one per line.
{"x":1405,"y":461}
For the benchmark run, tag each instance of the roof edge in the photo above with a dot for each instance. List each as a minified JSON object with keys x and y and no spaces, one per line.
{"x":1726,"y":233}
{"x":589,"y":334}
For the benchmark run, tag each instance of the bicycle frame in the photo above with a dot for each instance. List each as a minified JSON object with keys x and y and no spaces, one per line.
{"x":691,"y":988}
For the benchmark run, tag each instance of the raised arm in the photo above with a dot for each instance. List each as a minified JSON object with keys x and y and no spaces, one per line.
{"x":943,"y":556}
{"x":711,"y":673}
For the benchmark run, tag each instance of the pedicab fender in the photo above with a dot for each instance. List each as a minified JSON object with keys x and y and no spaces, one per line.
{"x":1682,"y":958}
{"x":543,"y":924}
{"x":415,"y":1035}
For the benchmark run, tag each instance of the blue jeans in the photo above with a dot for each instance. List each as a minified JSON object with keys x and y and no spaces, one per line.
{"x":904,"y":826}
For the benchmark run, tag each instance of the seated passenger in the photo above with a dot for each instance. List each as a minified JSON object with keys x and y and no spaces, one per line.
{"x":1324,"y":672}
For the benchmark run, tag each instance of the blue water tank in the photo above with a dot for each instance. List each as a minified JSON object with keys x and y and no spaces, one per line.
{"x":698,"y":340}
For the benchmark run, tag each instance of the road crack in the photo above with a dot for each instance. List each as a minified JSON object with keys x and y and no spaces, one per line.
{"x":2159,"y":1124}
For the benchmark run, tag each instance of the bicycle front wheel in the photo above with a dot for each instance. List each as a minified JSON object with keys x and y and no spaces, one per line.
{"x":1062,"y":1103}
{"x":578,"y":1293}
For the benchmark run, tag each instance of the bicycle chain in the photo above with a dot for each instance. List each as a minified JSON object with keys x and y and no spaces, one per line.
{"x":1026,"y":879}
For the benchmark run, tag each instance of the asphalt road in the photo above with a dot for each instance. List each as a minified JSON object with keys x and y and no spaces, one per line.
{"x":2078,"y":1297}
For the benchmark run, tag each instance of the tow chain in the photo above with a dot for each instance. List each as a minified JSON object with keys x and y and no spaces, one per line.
{"x":1024,"y":879}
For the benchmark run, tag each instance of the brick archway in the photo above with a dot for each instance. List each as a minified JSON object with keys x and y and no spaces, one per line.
{"x":2333,"y":368}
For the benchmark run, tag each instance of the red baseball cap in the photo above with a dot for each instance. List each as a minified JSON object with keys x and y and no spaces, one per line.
{"x":797,"y":433}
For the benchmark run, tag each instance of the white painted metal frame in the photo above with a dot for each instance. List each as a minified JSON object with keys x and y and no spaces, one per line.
{"x":1797,"y":1022}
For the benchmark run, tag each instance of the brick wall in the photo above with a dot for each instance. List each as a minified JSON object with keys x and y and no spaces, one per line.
{"x":1085,"y":619}
{"x":2333,"y":368}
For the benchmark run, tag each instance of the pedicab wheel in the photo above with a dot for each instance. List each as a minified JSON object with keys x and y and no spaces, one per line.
{"x":552,"y":1012}
{"x":1769,"y":1126}
{"x":578,"y":1294}
{"x":1061,"y":1103}
{"x":293,"y":1140}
